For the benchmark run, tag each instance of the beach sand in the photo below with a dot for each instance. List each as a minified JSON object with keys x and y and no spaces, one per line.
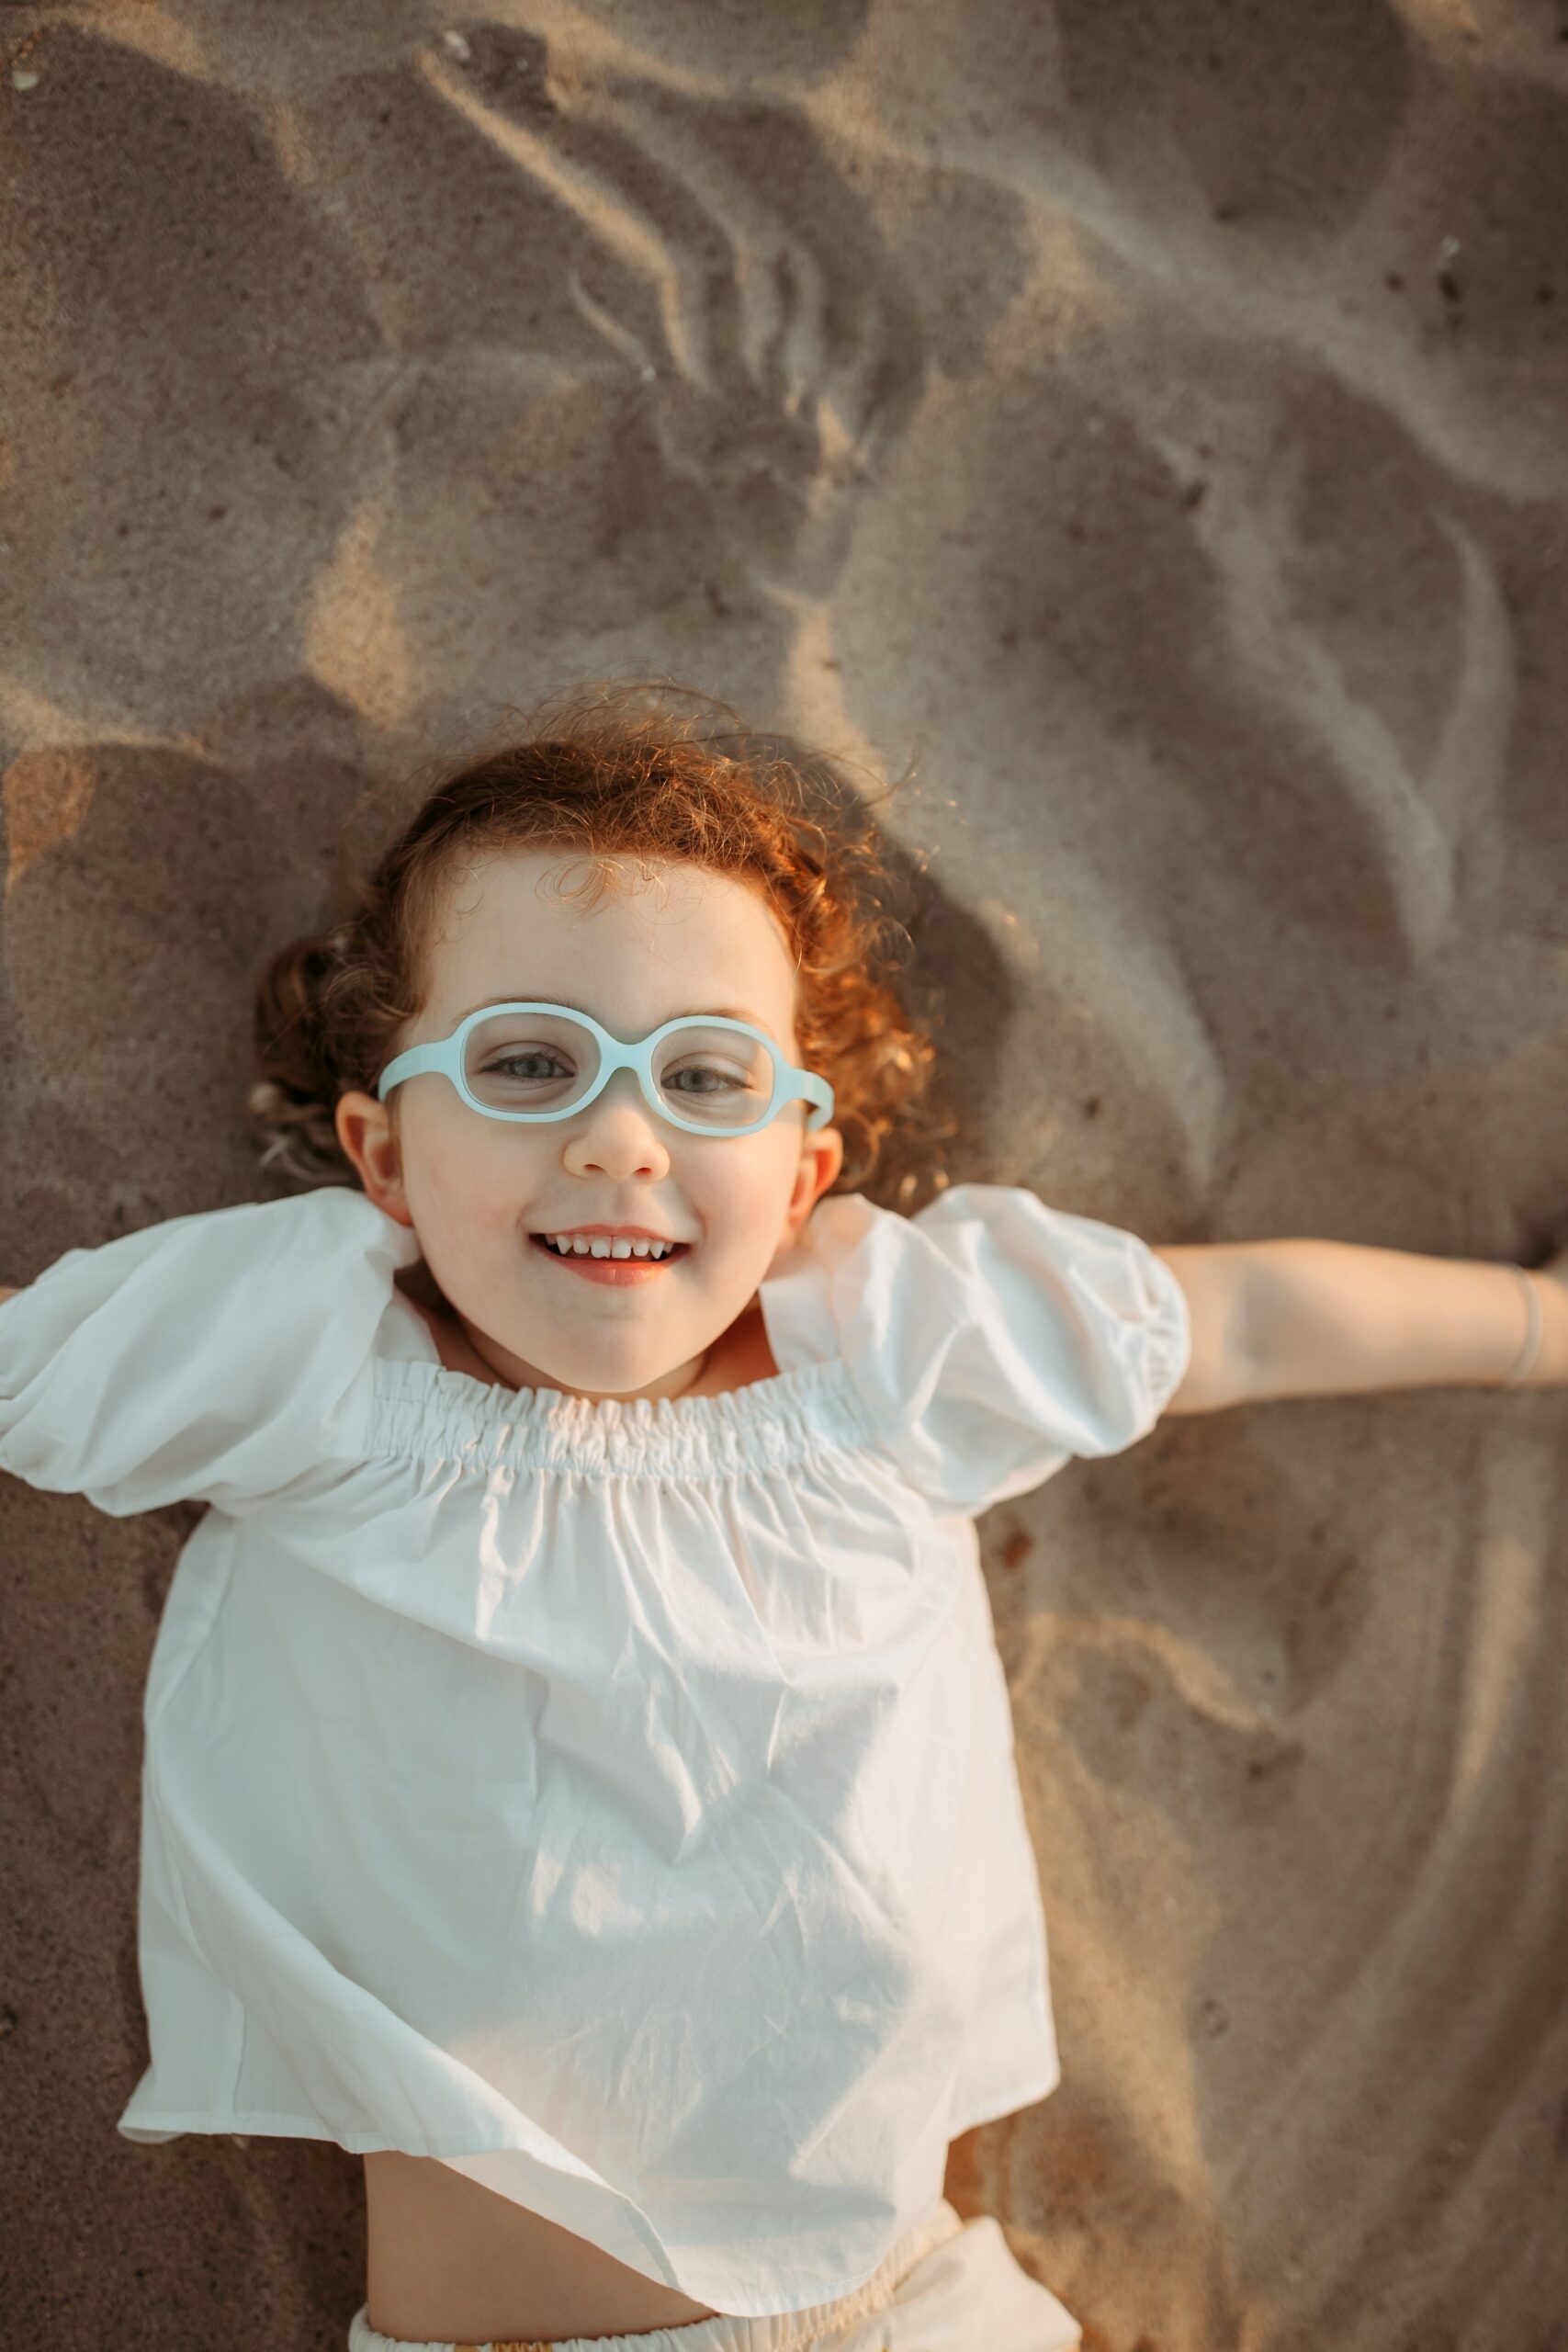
{"x":1149,"y":423}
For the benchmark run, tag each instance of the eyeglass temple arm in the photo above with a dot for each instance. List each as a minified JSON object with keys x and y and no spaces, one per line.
{"x":417,"y":1060}
{"x":817,"y":1091}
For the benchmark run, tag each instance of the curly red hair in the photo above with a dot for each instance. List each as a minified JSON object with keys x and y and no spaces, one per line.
{"x":601,"y":772}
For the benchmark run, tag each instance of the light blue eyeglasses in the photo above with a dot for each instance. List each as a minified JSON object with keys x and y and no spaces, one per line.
{"x":707,"y":1075}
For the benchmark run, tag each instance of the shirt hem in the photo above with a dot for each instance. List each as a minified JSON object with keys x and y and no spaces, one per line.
{"x":1010,"y":2103}
{"x":173,"y":2123}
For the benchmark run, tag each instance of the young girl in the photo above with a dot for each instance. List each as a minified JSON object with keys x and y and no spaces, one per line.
{"x":579,"y":1768}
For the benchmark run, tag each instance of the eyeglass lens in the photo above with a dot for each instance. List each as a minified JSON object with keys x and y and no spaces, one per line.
{"x":537,"y":1062}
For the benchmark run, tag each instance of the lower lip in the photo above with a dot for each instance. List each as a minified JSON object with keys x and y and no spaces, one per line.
{"x":617,"y":1270}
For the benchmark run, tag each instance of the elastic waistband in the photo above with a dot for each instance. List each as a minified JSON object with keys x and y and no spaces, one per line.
{"x":776,"y":2331}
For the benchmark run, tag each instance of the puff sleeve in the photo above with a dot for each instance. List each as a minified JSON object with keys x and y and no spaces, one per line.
{"x":991,"y":1337}
{"x":216,"y":1357}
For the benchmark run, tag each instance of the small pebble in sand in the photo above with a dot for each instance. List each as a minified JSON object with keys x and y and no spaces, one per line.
{"x":455,"y":45}
{"x":22,"y":80}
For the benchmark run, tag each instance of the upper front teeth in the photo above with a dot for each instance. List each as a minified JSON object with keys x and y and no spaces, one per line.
{"x":600,"y":1245}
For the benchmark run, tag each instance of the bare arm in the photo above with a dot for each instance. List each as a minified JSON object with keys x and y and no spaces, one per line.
{"x":1213,"y":1275}
{"x":1332,"y":1318}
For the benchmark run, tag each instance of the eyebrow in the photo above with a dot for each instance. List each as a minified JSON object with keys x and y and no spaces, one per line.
{"x":701,"y":1012}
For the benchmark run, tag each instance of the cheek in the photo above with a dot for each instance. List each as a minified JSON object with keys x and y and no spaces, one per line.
{"x":465,"y":1173}
{"x":742,"y":1199}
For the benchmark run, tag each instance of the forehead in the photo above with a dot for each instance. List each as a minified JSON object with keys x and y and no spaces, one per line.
{"x":634,"y":940}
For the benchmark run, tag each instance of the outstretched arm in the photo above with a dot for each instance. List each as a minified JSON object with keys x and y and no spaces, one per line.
{"x":1325,"y":1318}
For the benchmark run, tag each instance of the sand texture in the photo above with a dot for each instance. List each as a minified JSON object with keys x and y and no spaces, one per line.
{"x":1150,"y":418}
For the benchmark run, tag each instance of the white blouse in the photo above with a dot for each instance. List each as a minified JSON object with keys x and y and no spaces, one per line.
{"x":616,"y":1802}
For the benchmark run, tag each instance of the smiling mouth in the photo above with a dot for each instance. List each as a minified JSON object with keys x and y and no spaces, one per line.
{"x":623,"y":1247}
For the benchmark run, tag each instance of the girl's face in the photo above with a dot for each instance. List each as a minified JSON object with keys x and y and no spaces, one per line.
{"x":482,"y":1193}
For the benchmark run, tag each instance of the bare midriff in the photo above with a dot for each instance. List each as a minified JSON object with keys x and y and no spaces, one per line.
{"x":448,"y":2259}
{"x":452,"y":2262}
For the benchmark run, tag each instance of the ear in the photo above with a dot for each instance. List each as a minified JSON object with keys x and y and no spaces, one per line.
{"x":365,"y":1132}
{"x":821,"y":1157}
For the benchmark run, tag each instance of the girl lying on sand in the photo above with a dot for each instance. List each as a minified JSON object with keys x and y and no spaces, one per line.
{"x":579,"y":1768}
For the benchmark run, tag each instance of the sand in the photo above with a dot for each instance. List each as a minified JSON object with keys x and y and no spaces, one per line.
{"x":1151,"y":422}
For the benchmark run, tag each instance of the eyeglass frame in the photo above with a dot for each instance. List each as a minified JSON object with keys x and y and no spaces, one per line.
{"x":444,"y":1057}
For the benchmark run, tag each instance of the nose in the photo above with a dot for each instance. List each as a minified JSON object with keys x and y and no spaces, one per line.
{"x":618,"y":1137}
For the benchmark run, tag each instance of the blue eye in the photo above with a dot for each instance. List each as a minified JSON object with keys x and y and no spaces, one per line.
{"x":527,"y":1067}
{"x":704,"y":1081}
{"x":711,"y":1077}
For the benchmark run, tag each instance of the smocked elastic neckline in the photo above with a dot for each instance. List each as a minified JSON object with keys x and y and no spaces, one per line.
{"x":740,"y":1406}
{"x":432,"y":1412}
